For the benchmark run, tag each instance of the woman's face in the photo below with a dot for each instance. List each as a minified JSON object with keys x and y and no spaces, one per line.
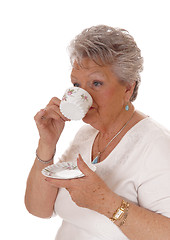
{"x":109,"y":95}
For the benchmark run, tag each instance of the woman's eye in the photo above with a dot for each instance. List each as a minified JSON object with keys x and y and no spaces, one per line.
{"x":97,"y":83}
{"x":76,"y":84}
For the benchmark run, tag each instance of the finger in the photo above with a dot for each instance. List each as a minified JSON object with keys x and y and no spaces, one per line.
{"x":43,"y":116}
{"x":39,"y":116}
{"x":50,"y":112}
{"x":55,"y":101}
{"x":58,"y":183}
{"x":55,"y":104}
{"x":83,"y":166}
{"x":54,"y":113}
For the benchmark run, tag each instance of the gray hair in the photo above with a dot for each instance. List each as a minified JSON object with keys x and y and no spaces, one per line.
{"x":110,"y":46}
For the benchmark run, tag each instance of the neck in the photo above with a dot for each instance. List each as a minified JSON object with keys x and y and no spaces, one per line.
{"x":110,"y":128}
{"x":107,"y":139}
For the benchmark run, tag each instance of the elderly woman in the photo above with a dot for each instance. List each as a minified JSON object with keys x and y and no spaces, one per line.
{"x":128,"y":197}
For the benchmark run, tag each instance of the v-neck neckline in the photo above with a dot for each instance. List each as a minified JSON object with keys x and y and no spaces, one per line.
{"x":119,"y":143}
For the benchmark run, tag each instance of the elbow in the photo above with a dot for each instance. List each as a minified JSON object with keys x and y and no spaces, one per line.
{"x":36,"y":212}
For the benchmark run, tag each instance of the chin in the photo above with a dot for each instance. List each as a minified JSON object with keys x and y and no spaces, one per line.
{"x":89,"y":118}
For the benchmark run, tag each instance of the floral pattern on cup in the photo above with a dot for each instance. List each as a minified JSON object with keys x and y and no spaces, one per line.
{"x":84,"y":97}
{"x":64,"y":98}
{"x":70,"y":93}
{"x":75,"y":103}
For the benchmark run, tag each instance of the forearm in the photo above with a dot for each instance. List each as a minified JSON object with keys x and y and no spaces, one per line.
{"x":40,"y":196}
{"x":141,"y":224}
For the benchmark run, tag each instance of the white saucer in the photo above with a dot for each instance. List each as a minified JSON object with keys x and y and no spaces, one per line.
{"x":65,"y":170}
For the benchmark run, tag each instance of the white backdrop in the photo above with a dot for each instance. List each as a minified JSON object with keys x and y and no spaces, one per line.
{"x":34,"y":67}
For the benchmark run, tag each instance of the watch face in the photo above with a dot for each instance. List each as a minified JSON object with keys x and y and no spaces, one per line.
{"x":118,"y":214}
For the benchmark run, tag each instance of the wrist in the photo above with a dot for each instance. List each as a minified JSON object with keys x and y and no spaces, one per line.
{"x":115,"y":208}
{"x":109,"y":202}
{"x":49,"y":161}
{"x":45,"y":152}
{"x":120,"y":215}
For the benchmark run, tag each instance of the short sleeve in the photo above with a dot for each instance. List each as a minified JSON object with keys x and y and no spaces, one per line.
{"x":154,"y":183}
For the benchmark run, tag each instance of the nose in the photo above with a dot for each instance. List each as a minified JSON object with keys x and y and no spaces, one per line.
{"x":85,"y":88}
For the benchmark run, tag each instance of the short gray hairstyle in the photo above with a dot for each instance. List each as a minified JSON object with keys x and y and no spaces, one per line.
{"x":110,"y":46}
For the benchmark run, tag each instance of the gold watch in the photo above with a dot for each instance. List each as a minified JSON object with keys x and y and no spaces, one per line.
{"x":119,"y":213}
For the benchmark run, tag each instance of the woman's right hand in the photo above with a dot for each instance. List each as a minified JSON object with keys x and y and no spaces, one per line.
{"x":50,"y":123}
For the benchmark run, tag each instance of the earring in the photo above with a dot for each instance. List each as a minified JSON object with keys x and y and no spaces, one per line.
{"x":127,"y":107}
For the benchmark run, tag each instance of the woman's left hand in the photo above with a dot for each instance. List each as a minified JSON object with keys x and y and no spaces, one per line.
{"x":89,"y":191}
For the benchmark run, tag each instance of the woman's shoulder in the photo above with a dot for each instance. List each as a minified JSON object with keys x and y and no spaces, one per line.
{"x":151,"y":140}
{"x":150,"y":130}
{"x":155,"y":140}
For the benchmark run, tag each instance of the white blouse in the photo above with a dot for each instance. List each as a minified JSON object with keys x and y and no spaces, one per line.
{"x":138,"y":169}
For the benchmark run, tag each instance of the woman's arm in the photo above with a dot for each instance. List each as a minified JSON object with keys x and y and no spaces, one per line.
{"x":143,"y":224}
{"x":92,"y":193}
{"x":40,"y":196}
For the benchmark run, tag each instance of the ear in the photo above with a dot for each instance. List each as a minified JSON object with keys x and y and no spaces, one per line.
{"x":129,"y":91}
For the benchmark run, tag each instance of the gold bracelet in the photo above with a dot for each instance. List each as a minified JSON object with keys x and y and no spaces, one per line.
{"x":120,"y":212}
{"x":124,"y":217}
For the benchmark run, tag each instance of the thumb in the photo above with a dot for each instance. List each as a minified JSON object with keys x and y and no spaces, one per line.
{"x":83,"y":166}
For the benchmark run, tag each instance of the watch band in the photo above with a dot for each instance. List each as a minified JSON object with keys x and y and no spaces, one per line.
{"x":119,"y":213}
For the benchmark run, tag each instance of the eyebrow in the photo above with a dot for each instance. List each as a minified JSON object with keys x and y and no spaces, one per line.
{"x":90,"y":74}
{"x":96,"y":72}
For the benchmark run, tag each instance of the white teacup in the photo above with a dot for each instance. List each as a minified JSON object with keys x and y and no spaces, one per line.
{"x":75,"y":103}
